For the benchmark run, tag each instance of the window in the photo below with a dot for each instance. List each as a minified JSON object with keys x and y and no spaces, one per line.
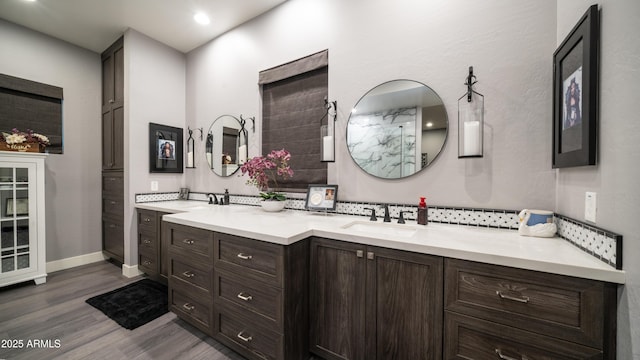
{"x":293,"y":98}
{"x":26,"y":104}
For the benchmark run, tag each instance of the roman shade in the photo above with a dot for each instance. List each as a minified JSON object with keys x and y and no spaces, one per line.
{"x":293,"y":98}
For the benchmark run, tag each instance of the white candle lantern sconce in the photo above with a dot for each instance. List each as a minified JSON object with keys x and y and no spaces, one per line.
{"x":470,"y":121}
{"x":191,"y":149}
{"x":328,"y":132}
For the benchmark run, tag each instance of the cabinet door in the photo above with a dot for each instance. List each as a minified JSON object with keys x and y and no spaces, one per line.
{"x":18,"y":239}
{"x":337,"y":305}
{"x":404,"y":305}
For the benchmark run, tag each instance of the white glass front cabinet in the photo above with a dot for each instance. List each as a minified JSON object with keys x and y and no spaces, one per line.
{"x":22,"y":218}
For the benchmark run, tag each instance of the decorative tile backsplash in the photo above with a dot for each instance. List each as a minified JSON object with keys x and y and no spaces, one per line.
{"x":602,"y":244}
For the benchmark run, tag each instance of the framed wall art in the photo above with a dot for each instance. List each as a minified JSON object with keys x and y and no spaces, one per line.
{"x":575,"y":94}
{"x":165,"y":149}
{"x":321,"y":197}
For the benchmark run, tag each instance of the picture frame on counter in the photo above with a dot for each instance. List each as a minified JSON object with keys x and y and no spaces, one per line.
{"x":321,"y":197}
{"x":165,"y":149}
{"x":575,"y":94}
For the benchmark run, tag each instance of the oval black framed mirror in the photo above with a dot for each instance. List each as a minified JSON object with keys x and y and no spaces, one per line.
{"x":226,"y":145}
{"x":397,"y":129}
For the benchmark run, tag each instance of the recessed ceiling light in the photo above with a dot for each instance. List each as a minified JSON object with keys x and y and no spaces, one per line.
{"x":429,"y":124}
{"x":201,"y":18}
{"x":30,"y":0}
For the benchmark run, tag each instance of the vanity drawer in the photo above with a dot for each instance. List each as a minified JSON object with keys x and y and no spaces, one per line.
{"x":192,"y":310}
{"x":190,"y":242}
{"x":148,"y":220}
{"x":255,"y":259}
{"x":471,"y":338}
{"x":147,"y":240}
{"x":257,"y":297}
{"x":113,"y":206}
{"x":112,"y":184}
{"x":560,"y":306}
{"x":191,"y":273}
{"x":147,"y":262}
{"x":240,"y":333}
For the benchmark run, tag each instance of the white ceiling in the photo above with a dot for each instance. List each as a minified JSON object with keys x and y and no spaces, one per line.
{"x":95,"y":24}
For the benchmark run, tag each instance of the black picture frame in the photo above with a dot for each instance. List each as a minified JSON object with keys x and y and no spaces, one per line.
{"x":321,"y":197}
{"x":575,"y":94}
{"x":169,"y":138}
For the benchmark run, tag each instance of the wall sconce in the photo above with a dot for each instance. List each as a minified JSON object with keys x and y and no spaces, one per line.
{"x":470,"y":121}
{"x":328,"y":132}
{"x":190,"y":150}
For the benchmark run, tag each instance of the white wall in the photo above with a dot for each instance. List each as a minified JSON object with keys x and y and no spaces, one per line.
{"x":154,"y":92}
{"x":73,"y":183}
{"x":615,"y":178}
{"x":509,"y":44}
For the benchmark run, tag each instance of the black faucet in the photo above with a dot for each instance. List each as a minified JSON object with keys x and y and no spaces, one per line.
{"x":387,"y":218}
{"x":211,"y":197}
{"x":373,"y":214}
{"x":401,"y":218}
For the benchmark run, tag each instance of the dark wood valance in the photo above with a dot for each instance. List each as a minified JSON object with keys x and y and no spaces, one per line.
{"x":293,"y":68}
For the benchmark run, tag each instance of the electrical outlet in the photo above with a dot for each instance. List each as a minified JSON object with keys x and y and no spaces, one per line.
{"x":590,"y":206}
{"x":154,"y":186}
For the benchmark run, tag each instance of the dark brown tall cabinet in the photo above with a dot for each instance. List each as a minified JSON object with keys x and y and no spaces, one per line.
{"x":113,"y":151}
{"x":374,"y":303}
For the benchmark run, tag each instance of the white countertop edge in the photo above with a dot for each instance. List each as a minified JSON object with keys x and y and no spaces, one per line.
{"x":588,"y":267}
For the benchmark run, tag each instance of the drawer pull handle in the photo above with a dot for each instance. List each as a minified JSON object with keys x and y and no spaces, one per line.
{"x":113,"y":202}
{"x":188,"y":274}
{"x":245,"y":257}
{"x":146,"y":241}
{"x":188,"y":241}
{"x":505,"y":357}
{"x":244,"y":297}
{"x":188,"y":307}
{"x":147,"y":220}
{"x":146,"y":263}
{"x":522,"y":299}
{"x":244,"y":338}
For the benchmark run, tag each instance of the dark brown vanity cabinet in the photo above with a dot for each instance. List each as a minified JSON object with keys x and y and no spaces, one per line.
{"x":190,"y":272}
{"x":113,"y":151}
{"x":152,"y":251}
{"x":374,"y":303}
{"x":250,"y":295}
{"x":261,"y":297}
{"x":496,"y":312}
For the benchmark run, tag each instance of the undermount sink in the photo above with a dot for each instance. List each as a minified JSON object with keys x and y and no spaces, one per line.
{"x":381,"y":228}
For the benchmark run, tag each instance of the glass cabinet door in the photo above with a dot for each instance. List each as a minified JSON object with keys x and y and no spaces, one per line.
{"x":17,"y":251}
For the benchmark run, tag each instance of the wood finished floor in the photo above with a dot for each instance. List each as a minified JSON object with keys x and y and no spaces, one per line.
{"x":57,"y":311}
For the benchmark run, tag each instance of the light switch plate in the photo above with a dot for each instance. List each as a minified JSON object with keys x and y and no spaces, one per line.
{"x":590,"y":206}
{"x":154,"y":186}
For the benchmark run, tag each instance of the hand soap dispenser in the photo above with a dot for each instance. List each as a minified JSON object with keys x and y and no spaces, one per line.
{"x":226,"y":196}
{"x":423,"y":217}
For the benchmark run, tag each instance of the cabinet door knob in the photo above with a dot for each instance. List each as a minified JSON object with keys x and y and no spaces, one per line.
{"x":244,"y":338}
{"x":359,"y":253}
{"x":244,"y":297}
{"x":111,"y":101}
{"x":522,"y":299}
{"x":370,"y":255}
{"x":244,"y":257}
{"x":188,"y":274}
{"x":188,"y":241}
{"x":188,"y":307}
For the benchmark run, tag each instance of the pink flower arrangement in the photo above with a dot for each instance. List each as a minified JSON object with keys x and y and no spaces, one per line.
{"x":264,"y":172}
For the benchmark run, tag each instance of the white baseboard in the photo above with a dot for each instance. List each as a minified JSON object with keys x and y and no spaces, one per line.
{"x":130,"y":271}
{"x":74,"y":261}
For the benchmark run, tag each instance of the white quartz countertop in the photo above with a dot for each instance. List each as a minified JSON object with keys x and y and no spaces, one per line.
{"x":487,"y":245}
